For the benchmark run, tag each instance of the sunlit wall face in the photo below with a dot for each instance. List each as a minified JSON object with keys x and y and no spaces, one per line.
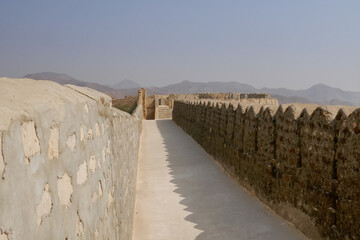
{"x":293,"y":44}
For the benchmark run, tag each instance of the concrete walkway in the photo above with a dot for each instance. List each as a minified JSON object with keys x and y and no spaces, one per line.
{"x":183,"y":194}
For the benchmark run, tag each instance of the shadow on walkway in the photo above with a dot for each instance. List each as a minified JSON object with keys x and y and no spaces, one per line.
{"x":216,"y":204}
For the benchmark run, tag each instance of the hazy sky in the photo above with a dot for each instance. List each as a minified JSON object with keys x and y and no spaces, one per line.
{"x":293,"y":44}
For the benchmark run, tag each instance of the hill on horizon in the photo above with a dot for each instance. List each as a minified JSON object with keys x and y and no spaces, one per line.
{"x":319,"y":93}
{"x":60,"y":78}
{"x":63,"y":79}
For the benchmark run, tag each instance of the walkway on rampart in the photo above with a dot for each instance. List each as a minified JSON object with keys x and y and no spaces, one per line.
{"x":183,"y":194}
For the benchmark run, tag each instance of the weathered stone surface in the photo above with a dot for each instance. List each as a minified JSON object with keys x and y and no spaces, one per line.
{"x":304,"y":157}
{"x":52,"y":199}
{"x":54,"y":143}
{"x":348,"y":176}
{"x":3,"y":235}
{"x":45,"y":205}
{"x":80,"y":227}
{"x":71,"y":142}
{"x":65,"y":189}
{"x":30,"y":139}
{"x":317,"y":152}
{"x":2,"y":163}
{"x":92,"y":164}
{"x":81,"y":174}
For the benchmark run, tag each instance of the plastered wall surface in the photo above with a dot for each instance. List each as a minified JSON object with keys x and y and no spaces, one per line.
{"x":68,"y":162}
{"x":301,"y":160}
{"x":163,"y":112}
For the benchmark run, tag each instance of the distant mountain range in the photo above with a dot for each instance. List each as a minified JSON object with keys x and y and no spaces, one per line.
{"x":62,"y":79}
{"x":320,"y":93}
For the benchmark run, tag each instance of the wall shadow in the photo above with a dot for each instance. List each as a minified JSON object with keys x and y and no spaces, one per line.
{"x":216,"y":204}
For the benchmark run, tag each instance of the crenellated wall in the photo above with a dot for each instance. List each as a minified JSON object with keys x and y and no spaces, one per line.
{"x":303,"y":161}
{"x":160,"y":106}
{"x":68,"y":162}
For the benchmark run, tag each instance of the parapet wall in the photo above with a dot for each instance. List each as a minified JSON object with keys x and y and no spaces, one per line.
{"x":160,"y":106}
{"x":127,"y":104}
{"x":68,"y":162}
{"x":304,"y":163}
{"x":261,"y":98}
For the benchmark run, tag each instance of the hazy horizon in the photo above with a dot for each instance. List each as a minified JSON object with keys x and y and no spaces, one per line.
{"x":112,"y":84}
{"x":273,"y":44}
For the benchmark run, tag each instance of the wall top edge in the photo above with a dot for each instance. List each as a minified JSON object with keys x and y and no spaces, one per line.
{"x":22,"y":99}
{"x":295,"y":110}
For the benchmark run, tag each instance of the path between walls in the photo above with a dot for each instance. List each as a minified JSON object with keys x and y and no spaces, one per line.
{"x":183,"y":194}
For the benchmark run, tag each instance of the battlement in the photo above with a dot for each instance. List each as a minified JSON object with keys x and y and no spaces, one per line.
{"x":302,"y":160}
{"x":160,"y":106}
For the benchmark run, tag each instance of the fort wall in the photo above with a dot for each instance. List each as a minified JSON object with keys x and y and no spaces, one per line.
{"x":161,"y":106}
{"x":301,"y":160}
{"x":68,"y":162}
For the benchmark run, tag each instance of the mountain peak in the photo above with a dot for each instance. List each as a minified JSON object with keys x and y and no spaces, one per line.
{"x":185,"y":81}
{"x":320,"y":85}
{"x":323,"y":86}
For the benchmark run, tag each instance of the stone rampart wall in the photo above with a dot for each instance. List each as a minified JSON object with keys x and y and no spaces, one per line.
{"x":239,"y":97}
{"x":68,"y":162}
{"x":155,"y":104}
{"x":303,"y":163}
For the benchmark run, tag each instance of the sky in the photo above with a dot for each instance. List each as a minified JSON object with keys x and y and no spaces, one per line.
{"x":277,"y":43}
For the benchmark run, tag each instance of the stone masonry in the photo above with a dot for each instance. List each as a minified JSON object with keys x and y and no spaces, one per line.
{"x":68,"y":162}
{"x":303,"y":161}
